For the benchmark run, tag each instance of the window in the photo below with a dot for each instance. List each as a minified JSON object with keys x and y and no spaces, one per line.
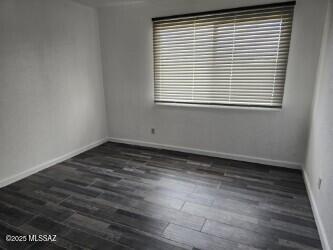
{"x":234,"y":57}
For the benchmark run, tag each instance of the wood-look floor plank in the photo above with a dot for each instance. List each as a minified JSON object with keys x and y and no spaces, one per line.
{"x":198,"y":239}
{"x":119,"y":196}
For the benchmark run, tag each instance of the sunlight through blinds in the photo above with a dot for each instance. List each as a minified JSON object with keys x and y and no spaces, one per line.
{"x":231,"y":57}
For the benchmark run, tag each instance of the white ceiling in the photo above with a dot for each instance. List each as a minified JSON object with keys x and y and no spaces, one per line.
{"x":100,"y":3}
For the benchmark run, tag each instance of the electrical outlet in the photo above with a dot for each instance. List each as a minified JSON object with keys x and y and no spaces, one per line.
{"x":319,"y":183}
{"x":152,"y":131}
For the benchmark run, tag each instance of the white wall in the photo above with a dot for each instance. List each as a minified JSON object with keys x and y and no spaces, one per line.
{"x":275,"y":137}
{"x":51,"y":88}
{"x":319,"y":161}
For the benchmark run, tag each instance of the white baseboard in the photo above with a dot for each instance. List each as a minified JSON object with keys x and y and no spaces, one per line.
{"x":286,"y":164}
{"x":50,"y":163}
{"x":319,"y":223}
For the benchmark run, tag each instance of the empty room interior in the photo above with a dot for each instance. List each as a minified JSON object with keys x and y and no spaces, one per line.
{"x":166,"y":124}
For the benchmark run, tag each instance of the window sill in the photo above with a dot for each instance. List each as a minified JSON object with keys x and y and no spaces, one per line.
{"x":217,"y":106}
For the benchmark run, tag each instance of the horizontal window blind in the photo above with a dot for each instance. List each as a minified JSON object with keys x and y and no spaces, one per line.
{"x":233,"y":57}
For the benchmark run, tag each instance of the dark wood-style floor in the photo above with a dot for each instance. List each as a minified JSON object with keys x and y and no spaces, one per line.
{"x":125,"y":197}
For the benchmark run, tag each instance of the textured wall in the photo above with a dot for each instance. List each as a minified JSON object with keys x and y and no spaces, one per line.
{"x":319,"y":163}
{"x":51,"y":88}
